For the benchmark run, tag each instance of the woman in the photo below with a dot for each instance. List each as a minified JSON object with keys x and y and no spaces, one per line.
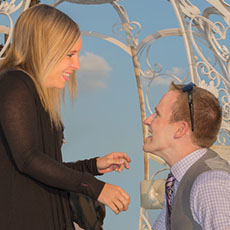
{"x":34,"y":181}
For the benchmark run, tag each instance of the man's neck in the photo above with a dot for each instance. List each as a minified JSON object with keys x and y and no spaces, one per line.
{"x":179,"y":153}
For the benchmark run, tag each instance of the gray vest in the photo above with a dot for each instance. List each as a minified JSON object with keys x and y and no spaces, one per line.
{"x":181,"y":217}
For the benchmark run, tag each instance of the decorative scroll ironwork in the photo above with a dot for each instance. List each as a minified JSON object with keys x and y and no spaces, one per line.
{"x":208,"y":35}
{"x":86,"y":2}
{"x":7,"y":8}
{"x":204,"y":34}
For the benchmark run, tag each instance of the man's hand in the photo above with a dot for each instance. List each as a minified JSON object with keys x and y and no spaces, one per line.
{"x":115,"y":161}
{"x":114,"y":197}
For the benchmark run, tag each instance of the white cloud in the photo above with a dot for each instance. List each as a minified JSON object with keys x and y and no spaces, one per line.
{"x":176,"y":71}
{"x":165,"y":79}
{"x":162,"y":81}
{"x":93,"y":72}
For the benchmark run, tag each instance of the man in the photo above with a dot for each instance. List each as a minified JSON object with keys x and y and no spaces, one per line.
{"x":184,"y":126}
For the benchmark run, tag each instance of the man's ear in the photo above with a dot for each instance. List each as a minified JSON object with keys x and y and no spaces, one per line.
{"x":182,"y":129}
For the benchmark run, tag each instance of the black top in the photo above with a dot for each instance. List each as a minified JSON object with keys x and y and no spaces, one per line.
{"x":33,"y":179}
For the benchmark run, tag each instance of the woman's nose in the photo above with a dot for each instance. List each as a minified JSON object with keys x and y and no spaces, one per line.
{"x":75,"y":63}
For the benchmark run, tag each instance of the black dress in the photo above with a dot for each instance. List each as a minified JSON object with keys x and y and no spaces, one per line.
{"x":34,"y":182}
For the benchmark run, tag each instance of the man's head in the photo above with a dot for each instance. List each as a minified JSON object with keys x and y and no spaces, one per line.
{"x":207,"y":114}
{"x":171,"y":122}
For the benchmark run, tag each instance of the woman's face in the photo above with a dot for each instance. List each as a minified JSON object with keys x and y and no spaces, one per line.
{"x":61,"y":73}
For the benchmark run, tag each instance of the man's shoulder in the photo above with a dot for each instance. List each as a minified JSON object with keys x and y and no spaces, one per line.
{"x":214,"y":169}
{"x":210,"y":194}
{"x":212,"y":177}
{"x":216,"y":162}
{"x":213,"y":182}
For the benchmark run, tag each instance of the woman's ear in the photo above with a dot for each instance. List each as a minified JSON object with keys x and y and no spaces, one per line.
{"x":182,"y":128}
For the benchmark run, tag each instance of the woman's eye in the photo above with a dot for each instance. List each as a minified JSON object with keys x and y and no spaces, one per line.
{"x":70,"y":55}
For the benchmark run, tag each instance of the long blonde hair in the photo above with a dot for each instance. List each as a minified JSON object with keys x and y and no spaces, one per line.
{"x":42,"y":37}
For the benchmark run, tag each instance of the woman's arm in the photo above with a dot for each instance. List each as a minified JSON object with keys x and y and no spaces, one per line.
{"x":19,"y":124}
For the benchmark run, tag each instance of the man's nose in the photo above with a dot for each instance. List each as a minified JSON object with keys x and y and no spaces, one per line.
{"x":148,"y":120}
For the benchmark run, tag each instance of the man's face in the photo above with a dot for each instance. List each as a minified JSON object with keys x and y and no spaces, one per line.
{"x":161,"y":130}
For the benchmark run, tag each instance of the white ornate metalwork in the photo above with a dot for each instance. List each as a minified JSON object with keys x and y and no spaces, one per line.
{"x":87,"y":2}
{"x":7,"y":8}
{"x":204,"y":34}
{"x":209,"y":31}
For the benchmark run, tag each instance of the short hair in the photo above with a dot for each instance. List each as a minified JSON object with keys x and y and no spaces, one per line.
{"x":42,"y":36}
{"x":207,"y":114}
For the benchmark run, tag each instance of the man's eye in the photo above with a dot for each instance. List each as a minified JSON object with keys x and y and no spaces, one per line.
{"x":155,"y":115}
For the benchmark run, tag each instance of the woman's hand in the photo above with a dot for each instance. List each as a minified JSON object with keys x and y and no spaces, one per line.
{"x":115,"y":161}
{"x":114,"y":197}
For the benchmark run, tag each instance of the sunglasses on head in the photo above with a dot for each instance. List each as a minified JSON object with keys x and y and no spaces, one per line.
{"x":189,"y":88}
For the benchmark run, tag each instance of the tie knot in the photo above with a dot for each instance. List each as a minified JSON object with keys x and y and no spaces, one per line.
{"x":170,"y":178}
{"x":169,"y":184}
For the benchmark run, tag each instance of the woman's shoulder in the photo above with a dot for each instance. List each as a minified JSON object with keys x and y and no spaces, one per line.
{"x":16,"y":78}
{"x":14,"y":75}
{"x":16,"y":82}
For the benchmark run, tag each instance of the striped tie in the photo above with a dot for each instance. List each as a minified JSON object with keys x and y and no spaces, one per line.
{"x":169,"y":192}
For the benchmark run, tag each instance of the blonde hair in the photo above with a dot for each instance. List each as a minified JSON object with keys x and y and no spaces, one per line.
{"x":207,"y":114}
{"x":42,"y":37}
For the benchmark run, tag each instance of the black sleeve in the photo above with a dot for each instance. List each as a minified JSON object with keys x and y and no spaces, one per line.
{"x":19,"y":123}
{"x":88,"y":165}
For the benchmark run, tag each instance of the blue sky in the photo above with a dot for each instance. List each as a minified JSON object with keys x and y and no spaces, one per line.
{"x":106,"y":115}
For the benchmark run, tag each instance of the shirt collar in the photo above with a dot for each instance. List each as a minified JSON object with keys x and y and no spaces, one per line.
{"x":181,"y":167}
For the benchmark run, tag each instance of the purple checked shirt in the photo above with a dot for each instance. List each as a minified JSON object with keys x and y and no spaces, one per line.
{"x":209,"y":198}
